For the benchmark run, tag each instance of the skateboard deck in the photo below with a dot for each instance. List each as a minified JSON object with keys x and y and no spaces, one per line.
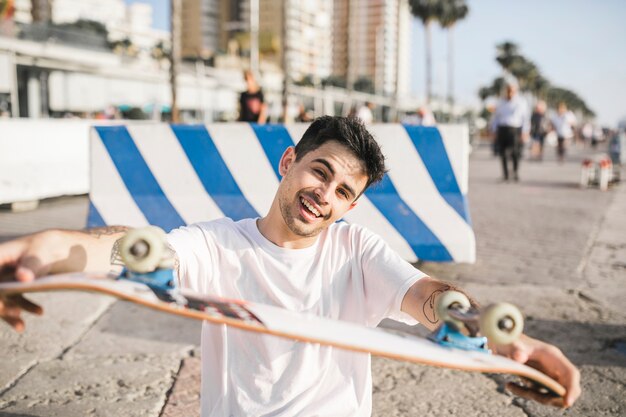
{"x":280,"y":322}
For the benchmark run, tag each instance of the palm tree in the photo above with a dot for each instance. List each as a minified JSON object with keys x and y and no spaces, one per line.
{"x":175,"y":27}
{"x":427,"y":11}
{"x":508,"y":52}
{"x":451,"y":12}
{"x":539,"y":86}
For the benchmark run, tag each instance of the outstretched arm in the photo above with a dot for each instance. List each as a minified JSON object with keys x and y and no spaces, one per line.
{"x":52,"y":252}
{"x":420,"y":302}
{"x":421,"y":299}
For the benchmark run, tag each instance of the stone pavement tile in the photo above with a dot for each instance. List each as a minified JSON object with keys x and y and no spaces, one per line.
{"x":86,"y":387}
{"x":402,"y":389}
{"x":124,"y":363}
{"x":184,"y":399}
{"x":47,"y":337}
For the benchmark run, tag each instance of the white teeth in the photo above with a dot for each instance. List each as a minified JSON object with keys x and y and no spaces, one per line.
{"x":310,"y":207}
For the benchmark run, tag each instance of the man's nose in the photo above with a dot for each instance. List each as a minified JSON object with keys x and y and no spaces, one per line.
{"x":323,"y":193}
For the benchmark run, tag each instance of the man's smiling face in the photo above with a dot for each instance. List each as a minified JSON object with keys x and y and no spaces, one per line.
{"x":320,"y":188}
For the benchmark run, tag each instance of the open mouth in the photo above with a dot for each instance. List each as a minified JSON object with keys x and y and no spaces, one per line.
{"x":310,"y":208}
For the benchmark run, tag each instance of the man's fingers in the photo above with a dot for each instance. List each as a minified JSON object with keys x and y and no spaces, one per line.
{"x":15,"y":322}
{"x":25,"y":273}
{"x":11,"y":308}
{"x":27,"y":305}
{"x":532,"y":393}
{"x":573,"y":388}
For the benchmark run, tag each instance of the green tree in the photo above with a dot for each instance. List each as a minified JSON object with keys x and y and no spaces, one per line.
{"x":427,"y":11}
{"x":531,"y":80}
{"x":507,"y":53}
{"x":451,"y":12}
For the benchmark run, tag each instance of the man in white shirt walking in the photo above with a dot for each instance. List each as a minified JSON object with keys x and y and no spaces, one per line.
{"x":511,"y":126}
{"x":365,"y":113}
{"x":298,"y":257}
{"x":563,"y":123}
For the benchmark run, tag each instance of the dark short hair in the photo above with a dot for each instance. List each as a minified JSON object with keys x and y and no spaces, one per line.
{"x":351,"y":133}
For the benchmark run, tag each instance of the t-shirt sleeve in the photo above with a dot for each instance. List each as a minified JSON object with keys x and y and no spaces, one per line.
{"x":387,"y":278}
{"x":195,"y":250}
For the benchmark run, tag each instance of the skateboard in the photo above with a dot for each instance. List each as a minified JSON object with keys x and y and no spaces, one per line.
{"x":148,"y":280}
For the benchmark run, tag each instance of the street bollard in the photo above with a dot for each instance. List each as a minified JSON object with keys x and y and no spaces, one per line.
{"x":587,"y":173}
{"x":606,"y":172}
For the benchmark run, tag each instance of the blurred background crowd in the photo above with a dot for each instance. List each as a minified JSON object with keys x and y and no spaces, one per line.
{"x":201,"y":61}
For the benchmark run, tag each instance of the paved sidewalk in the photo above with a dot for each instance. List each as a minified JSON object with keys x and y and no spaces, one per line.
{"x":556,"y":250}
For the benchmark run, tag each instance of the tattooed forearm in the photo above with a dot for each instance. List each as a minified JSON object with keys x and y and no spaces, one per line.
{"x":429,"y":307}
{"x":115,"y":258}
{"x":97,"y":232}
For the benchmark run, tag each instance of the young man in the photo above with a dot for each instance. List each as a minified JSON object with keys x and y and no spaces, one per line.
{"x":297,"y":257}
{"x":510,"y":126}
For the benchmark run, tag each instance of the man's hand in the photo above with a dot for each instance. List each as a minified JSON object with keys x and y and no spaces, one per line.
{"x":11,"y":309}
{"x":549,"y":360}
{"x":51,"y":252}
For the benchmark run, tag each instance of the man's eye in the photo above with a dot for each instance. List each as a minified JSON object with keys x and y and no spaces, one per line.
{"x":320,"y":173}
{"x":343,"y":193}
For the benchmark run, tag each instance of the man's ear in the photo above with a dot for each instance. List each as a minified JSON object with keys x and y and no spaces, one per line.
{"x":353,"y":205}
{"x":288,"y":158}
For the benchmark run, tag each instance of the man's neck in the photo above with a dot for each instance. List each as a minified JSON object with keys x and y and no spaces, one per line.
{"x":276,"y":231}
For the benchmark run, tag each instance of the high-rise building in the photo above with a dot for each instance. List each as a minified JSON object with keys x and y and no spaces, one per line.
{"x":306,"y":32}
{"x":202,"y":23}
{"x":352,"y":39}
{"x":41,"y":10}
{"x":371,"y":41}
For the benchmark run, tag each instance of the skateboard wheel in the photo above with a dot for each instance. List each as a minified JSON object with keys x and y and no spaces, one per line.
{"x":501,"y":323}
{"x":448,"y":300}
{"x":142,"y":249}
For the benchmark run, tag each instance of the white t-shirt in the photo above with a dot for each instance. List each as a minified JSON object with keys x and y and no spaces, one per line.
{"x":563,"y":124}
{"x":513,"y":113}
{"x":349,"y":274}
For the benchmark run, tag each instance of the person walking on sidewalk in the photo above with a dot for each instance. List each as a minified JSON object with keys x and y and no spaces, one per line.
{"x":511,"y":126}
{"x":252,"y":106}
{"x":538,"y":129}
{"x":299,"y":257}
{"x":563,"y":123}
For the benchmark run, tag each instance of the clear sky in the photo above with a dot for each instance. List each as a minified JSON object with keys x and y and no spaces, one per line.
{"x":577,"y":44}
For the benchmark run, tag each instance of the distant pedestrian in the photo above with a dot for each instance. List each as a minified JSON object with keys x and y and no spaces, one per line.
{"x":511,"y":126}
{"x":587,"y":133}
{"x":303,"y":115}
{"x":252,"y":106}
{"x":563,"y":123}
{"x":422,"y":117}
{"x":597,"y":136}
{"x":427,"y":118}
{"x":365,"y":113}
{"x":538,"y":129}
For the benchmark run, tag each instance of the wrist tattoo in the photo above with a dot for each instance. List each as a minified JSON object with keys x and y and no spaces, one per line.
{"x":429,"y":306}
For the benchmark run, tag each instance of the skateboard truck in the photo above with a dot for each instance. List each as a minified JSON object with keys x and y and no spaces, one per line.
{"x":149,"y":261}
{"x":467,"y":328}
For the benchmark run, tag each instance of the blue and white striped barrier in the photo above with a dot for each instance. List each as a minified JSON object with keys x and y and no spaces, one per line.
{"x":180,"y":174}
